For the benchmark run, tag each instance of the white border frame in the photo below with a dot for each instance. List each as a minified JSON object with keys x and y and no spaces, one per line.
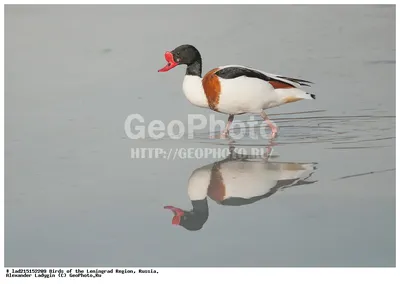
{"x":201,"y":275}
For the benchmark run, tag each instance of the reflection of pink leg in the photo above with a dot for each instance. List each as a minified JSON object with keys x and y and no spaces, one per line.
{"x":273,"y":127}
{"x":268,"y":152}
{"x":228,"y":125}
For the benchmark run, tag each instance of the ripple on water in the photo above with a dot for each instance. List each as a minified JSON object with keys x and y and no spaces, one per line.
{"x":338,"y":132}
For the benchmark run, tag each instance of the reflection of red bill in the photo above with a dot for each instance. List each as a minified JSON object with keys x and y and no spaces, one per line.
{"x":171,"y":62}
{"x":178,"y":213}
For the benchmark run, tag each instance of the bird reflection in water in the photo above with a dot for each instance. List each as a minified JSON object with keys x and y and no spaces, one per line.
{"x":236,"y":181}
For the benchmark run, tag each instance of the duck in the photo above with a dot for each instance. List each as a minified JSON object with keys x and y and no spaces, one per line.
{"x":237,"y":181}
{"x":234,"y":89}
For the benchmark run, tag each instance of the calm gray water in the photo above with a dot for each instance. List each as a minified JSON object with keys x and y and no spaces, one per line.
{"x":74,"y":196}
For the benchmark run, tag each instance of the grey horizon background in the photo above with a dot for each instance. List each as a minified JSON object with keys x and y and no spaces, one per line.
{"x":73,"y":196}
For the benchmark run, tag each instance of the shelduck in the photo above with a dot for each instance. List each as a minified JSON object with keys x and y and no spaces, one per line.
{"x":234,"y":89}
{"x":237,"y":182}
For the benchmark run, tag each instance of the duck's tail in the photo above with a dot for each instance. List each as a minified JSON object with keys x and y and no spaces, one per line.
{"x":297,"y":96}
{"x":311,"y":95}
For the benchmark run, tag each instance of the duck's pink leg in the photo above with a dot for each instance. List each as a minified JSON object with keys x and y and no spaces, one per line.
{"x":273,"y":127}
{"x":228,"y":125}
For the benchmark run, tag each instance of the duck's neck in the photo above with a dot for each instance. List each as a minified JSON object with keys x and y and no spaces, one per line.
{"x":199,"y":213}
{"x":193,"y":86}
{"x":194,"y":69}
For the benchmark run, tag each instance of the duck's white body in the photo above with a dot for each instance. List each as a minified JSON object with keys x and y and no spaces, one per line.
{"x":242,"y":94}
{"x":194,"y":92}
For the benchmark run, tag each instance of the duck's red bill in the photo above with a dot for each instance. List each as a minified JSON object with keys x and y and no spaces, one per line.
{"x":171,"y":62}
{"x":178,"y":213}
